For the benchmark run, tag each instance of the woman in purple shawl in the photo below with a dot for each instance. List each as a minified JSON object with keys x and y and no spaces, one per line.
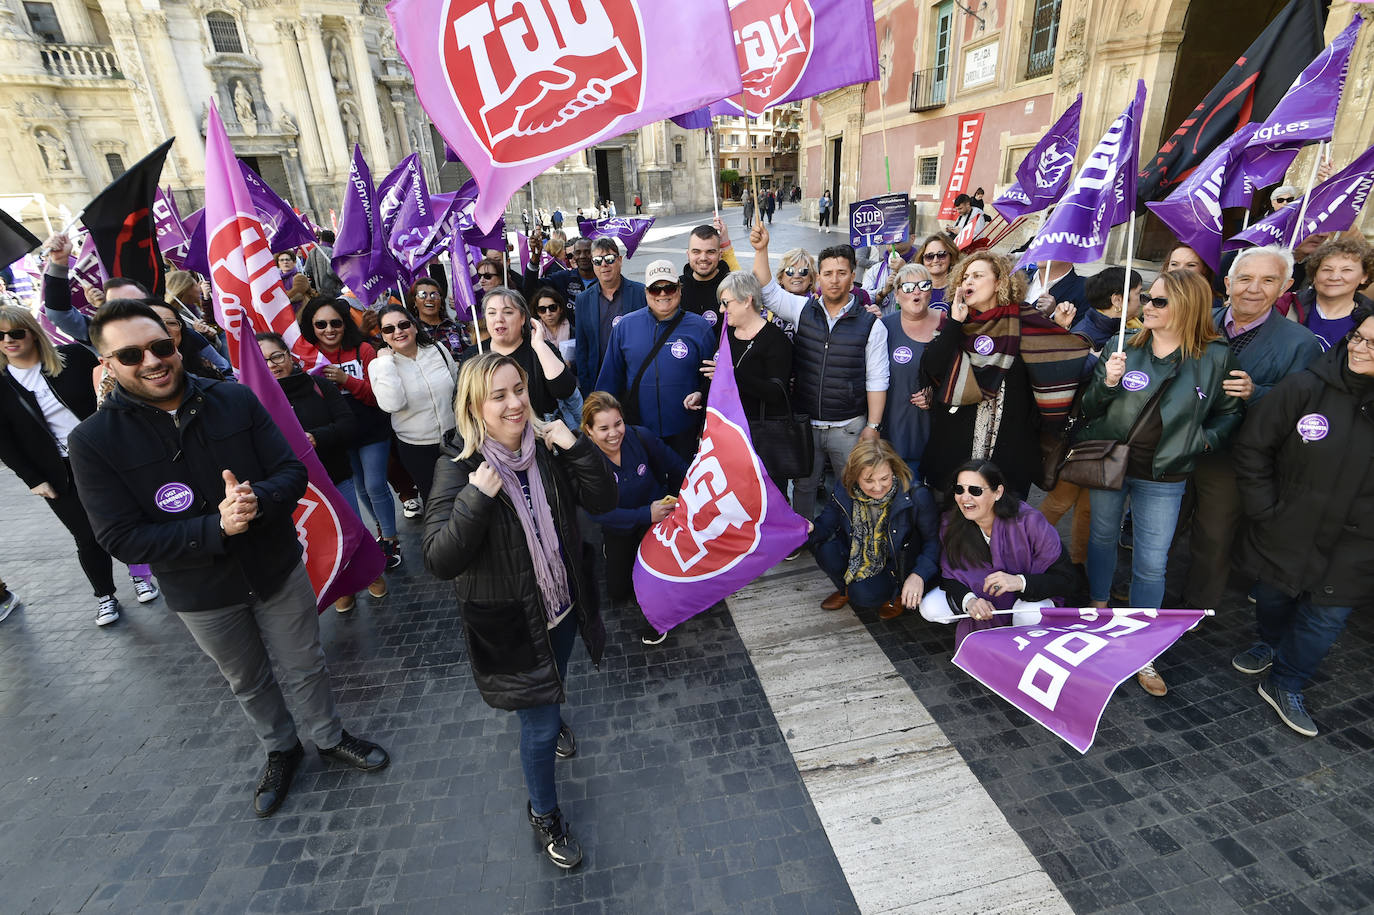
{"x":997,"y":554}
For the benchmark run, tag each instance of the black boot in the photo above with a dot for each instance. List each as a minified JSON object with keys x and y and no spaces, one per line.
{"x":561,"y":847}
{"x":275,"y":780}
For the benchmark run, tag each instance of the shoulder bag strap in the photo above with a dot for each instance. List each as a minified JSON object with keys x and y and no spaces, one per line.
{"x":632,"y":392}
{"x":1149,"y":405}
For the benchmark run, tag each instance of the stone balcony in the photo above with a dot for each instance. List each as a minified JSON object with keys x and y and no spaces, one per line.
{"x":81,"y":61}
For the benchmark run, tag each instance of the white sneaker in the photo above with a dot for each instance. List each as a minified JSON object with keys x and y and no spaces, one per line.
{"x":412,"y":508}
{"x":9,"y":604}
{"x":146,"y":590}
{"x":108,"y":611}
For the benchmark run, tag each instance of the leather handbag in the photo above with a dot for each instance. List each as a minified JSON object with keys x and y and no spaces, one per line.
{"x":784,"y":444}
{"x":1101,"y":463}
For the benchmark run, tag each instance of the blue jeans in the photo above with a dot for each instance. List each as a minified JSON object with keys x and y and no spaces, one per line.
{"x":539,"y":726}
{"x":1154,"y":510}
{"x":369,"y":476}
{"x":1300,"y":632}
{"x":833,"y":558}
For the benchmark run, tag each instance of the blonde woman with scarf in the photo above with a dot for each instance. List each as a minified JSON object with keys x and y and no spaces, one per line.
{"x":501,"y":521}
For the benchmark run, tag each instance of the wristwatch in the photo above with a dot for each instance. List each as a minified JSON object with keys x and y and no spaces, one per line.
{"x":874,"y":425}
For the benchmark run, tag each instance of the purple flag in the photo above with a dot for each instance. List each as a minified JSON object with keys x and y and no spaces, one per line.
{"x":339,"y":552}
{"x":172,"y":238}
{"x":729,"y":526}
{"x":1305,"y":114}
{"x":408,"y":216}
{"x":1062,"y":672}
{"x":1332,"y":206}
{"x":522,"y":250}
{"x":794,"y":49}
{"x":285,"y":229}
{"x":696,"y":119}
{"x":465,"y":200}
{"x":1193,"y":209}
{"x":460,"y":261}
{"x":514,"y":96}
{"x":629,"y":229}
{"x":1102,"y":195}
{"x":361,"y":256}
{"x":1044,"y":174}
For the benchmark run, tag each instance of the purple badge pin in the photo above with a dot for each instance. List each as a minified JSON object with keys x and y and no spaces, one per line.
{"x":174,"y":497}
{"x":902,"y":355}
{"x":1135,"y":381}
{"x":982,"y":344}
{"x":1313,"y":427}
{"x":642,"y":470}
{"x":678,"y":349}
{"x":711,"y":317}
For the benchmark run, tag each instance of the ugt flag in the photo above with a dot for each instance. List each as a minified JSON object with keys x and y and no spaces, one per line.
{"x":629,"y":229}
{"x":1102,"y":195}
{"x":1332,"y":206}
{"x":514,"y":89}
{"x":730,"y":525}
{"x":340,"y":554}
{"x":172,"y":237}
{"x":794,"y":49}
{"x":120,"y":220}
{"x":1194,"y":210}
{"x":1062,"y":672}
{"x":407,"y":215}
{"x":361,"y":256}
{"x":1044,"y":174}
{"x":84,"y":269}
{"x":285,"y":228}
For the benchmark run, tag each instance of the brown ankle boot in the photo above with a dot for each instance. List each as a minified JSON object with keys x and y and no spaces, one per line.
{"x":835,"y":601}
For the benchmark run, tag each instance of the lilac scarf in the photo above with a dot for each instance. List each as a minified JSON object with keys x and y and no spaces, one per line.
{"x":541,"y":534}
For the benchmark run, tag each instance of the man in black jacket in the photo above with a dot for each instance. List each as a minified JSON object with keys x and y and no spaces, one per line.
{"x":193,"y":477}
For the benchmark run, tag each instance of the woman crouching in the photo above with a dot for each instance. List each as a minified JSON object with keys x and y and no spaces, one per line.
{"x":502,"y":522}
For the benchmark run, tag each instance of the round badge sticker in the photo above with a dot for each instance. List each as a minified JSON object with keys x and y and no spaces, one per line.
{"x":711,"y":317}
{"x":982,"y":344}
{"x":174,"y":497}
{"x":1313,"y":427}
{"x":616,"y":320}
{"x":901,"y":355}
{"x":642,"y":470}
{"x":1135,"y":381}
{"x":678,"y":349}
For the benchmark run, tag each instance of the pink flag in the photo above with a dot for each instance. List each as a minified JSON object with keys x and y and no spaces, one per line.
{"x":730,"y":525}
{"x":340,"y":554}
{"x":513,"y":90}
{"x":1062,"y":672}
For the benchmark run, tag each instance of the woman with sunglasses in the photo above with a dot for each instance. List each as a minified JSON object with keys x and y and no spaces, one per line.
{"x":1162,"y":395}
{"x":413,"y":379}
{"x":45,"y":391}
{"x":552,"y":311}
{"x":327,"y":324}
{"x":997,"y":554}
{"x":939,"y":256}
{"x":426,"y":302}
{"x":906,"y":418}
{"x":502,"y":525}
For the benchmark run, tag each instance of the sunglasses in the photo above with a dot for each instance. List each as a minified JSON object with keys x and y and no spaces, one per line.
{"x":935,"y":256}
{"x":1158,"y":301}
{"x":960,"y":489}
{"x":663,"y":289}
{"x":390,"y":329}
{"x":18,"y":333}
{"x":1284,"y":199}
{"x":430,"y":295}
{"x":487,"y":276}
{"x":334,"y":323}
{"x":908,"y":288}
{"x":1144,"y":298}
{"x":602,"y":260}
{"x":798,"y":271}
{"x":133,"y":355}
{"x":280,"y":357}
{"x":546,"y":309}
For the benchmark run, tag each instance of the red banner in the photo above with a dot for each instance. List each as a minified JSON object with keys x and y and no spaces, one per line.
{"x":965,"y":148}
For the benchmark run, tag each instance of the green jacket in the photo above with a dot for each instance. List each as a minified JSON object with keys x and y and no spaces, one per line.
{"x":1197,"y":414}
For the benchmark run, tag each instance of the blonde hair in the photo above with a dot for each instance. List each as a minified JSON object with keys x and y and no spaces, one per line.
{"x":1001,"y":268}
{"x":48,"y":356}
{"x":179,"y":285}
{"x":599,"y":402}
{"x":556,"y":245}
{"x":793,"y":257}
{"x":867,"y":454}
{"x":1190,"y":312}
{"x":474,"y":387}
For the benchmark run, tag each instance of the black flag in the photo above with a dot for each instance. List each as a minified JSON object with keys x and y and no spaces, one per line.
{"x":15,"y":240}
{"x":120,"y":220}
{"x":1248,"y":92}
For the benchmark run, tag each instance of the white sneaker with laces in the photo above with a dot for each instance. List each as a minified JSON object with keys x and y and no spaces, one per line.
{"x":412,"y":508}
{"x":108,"y":610}
{"x":146,"y":590}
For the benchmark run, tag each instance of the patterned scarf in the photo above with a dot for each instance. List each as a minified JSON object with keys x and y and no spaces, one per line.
{"x":868,"y":546}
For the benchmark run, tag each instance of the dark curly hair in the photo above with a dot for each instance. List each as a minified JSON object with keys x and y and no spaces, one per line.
{"x":352,"y":336}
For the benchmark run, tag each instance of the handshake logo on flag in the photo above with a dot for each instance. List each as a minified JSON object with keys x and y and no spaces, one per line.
{"x":1053,"y":166}
{"x":774,"y":47}
{"x":549,"y":74}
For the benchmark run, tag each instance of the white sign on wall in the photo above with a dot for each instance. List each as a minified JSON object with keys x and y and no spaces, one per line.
{"x":980,"y":65}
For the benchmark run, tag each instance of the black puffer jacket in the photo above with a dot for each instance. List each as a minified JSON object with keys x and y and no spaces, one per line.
{"x":477,"y":541}
{"x":1311,"y":500}
{"x":325,"y":414}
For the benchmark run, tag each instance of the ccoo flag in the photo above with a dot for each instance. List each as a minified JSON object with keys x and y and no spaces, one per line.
{"x":361,"y":256}
{"x":730,"y":525}
{"x":339,"y":553}
{"x":1332,"y":206}
{"x":629,"y":229}
{"x":1062,"y":672}
{"x":1043,"y":175}
{"x":1102,"y":195}
{"x":515,"y":89}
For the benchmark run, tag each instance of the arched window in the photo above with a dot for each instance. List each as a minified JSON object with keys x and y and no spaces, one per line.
{"x":224,"y":33}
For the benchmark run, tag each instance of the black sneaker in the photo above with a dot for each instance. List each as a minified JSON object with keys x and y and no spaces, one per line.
{"x":561,"y":848}
{"x":391,"y":549}
{"x":567,"y":743}
{"x":275,"y":780}
{"x":651,"y":636}
{"x":358,"y":753}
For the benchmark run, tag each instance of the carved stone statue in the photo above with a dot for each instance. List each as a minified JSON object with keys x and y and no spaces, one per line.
{"x":53,"y":150}
{"x":244,"y":109}
{"x":286,"y":124}
{"x":338,"y":64}
{"x":352,"y":129}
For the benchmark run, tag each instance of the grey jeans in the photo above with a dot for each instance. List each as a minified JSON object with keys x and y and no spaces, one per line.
{"x":238,"y":639}
{"x":833,"y":443}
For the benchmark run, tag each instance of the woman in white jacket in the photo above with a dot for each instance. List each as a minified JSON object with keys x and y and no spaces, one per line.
{"x":413,"y":379}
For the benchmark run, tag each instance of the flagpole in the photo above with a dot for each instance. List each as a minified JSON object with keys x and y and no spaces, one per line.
{"x":715,"y":172}
{"x":1311,"y":180}
{"x":965,"y":616}
{"x":1126,"y":290}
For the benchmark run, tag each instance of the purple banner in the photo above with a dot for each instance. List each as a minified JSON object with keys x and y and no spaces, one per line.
{"x":729,"y":526}
{"x":696,"y":119}
{"x":408,"y":215}
{"x":172,"y":238}
{"x":361,"y":256}
{"x":1193,"y":210}
{"x":285,"y":229}
{"x":629,"y":229}
{"x":883,"y":220}
{"x":1043,"y":176}
{"x":462,"y":203}
{"x":1333,"y":206}
{"x":1102,"y":195}
{"x":1062,"y":672}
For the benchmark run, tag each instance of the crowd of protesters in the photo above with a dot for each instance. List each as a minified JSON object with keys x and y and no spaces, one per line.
{"x":934,"y":389}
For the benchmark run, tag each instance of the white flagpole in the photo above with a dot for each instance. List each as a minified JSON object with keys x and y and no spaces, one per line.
{"x":1302,"y":207}
{"x":965,"y":616}
{"x":1126,"y":291}
{"x":715,"y":172}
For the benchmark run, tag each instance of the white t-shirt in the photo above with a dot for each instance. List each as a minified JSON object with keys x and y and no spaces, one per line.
{"x":61,"y":421}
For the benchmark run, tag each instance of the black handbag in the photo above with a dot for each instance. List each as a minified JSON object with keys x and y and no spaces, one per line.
{"x":1101,"y":463}
{"x":784,"y":444}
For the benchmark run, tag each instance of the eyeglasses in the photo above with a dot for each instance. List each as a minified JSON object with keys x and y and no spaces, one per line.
{"x":389,"y":329}
{"x":18,"y":333}
{"x":133,"y":355}
{"x":432,"y":294}
{"x":663,"y":289}
{"x":797,"y":271}
{"x":908,"y":288}
{"x":1284,"y":199}
{"x":603,"y":260}
{"x":935,"y":256}
{"x":1354,"y":337}
{"x":487,"y":276}
{"x":546,"y":309}
{"x":334,"y":323}
{"x":960,"y":489}
{"x":280,"y":357}
{"x":1158,"y":301}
